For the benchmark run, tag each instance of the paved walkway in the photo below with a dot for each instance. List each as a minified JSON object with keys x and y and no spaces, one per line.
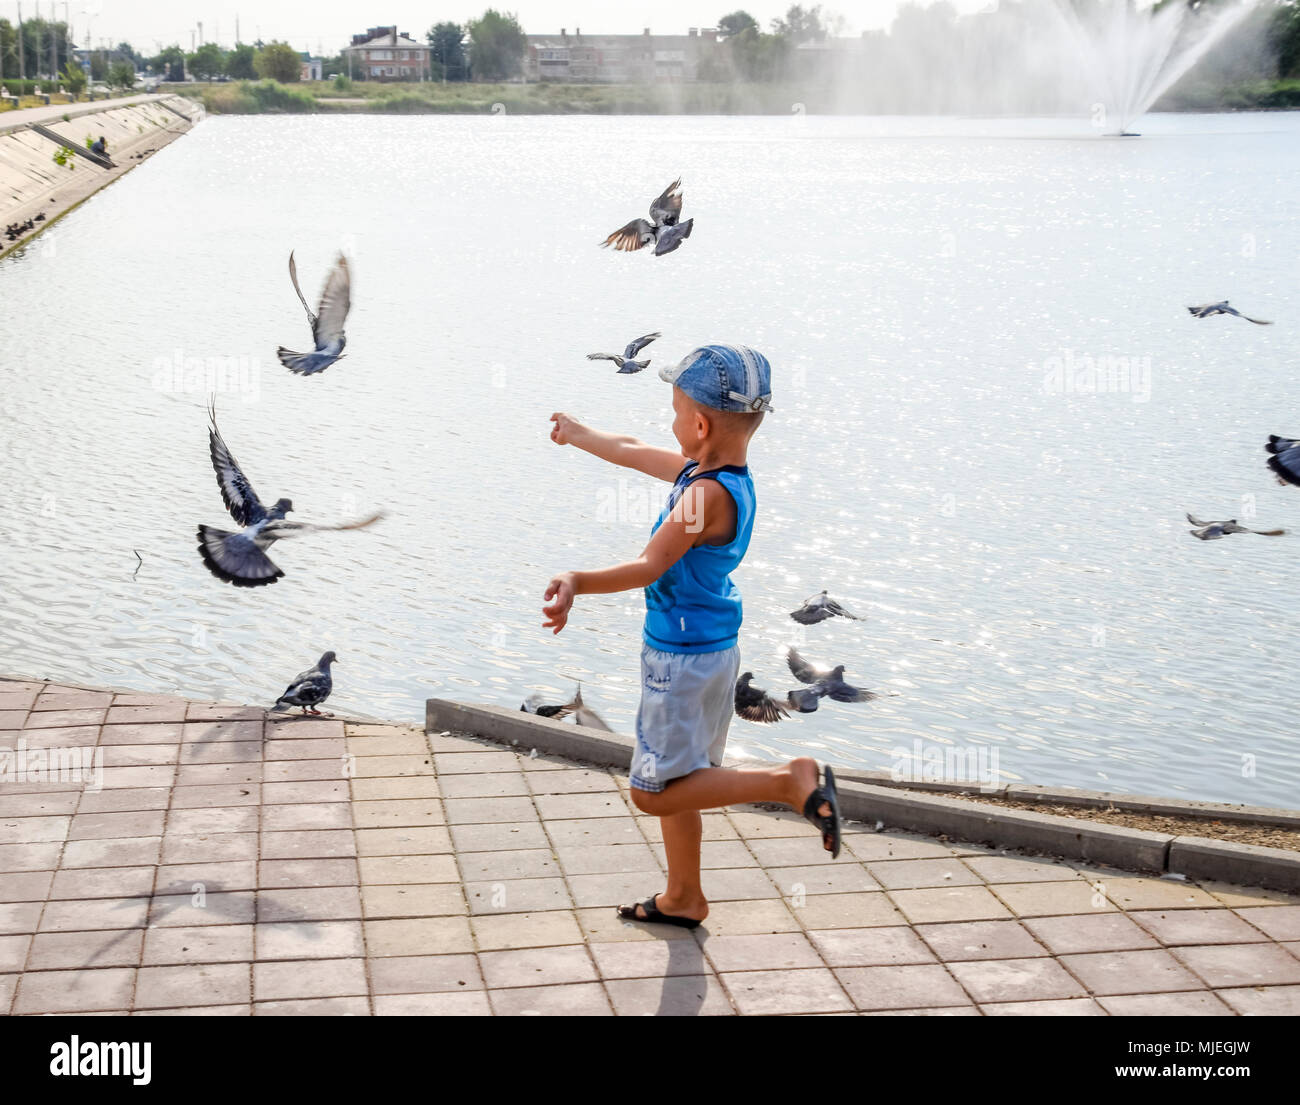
{"x":22,"y":117}
{"x":235,"y":865}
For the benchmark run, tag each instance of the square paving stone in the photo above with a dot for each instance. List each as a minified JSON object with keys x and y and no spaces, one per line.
{"x":409,"y":786}
{"x":919,"y":986}
{"x":973,"y":940}
{"x":483,"y":811}
{"x":189,"y":985}
{"x":458,"y":763}
{"x":1192,"y":1004}
{"x":180,"y":878}
{"x":592,"y":859}
{"x":1238,"y":896}
{"x":33,"y":830}
{"x":306,"y":818}
{"x":309,"y":940}
{"x":759,"y":993}
{"x":525,"y":930}
{"x":325,"y":903}
{"x":20,"y":917}
{"x":398,"y":813}
{"x":713,"y":826}
{"x":140,"y":734}
{"x":314,"y":1007}
{"x":418,"y":936}
{"x":75,"y":991}
{"x":417,"y":840}
{"x":1132,"y":893}
{"x":602,"y":925}
{"x":913,"y":874}
{"x":109,"y":853}
{"x":462,"y":1004}
{"x":30,"y":857}
{"x":996,"y":869}
{"x":232,"y":794}
{"x":507,"y":836}
{"x":413,"y":900}
{"x":768,"y":951}
{"x":562,"y":806}
{"x":619,"y":889}
{"x":1279,"y":922}
{"x":1096,"y":932}
{"x":571,"y":781}
{"x":649,"y":958}
{"x":873,"y":947}
{"x":13,"y":952}
{"x":307,"y":844}
{"x":321,"y":978}
{"x":1137,"y":972}
{"x":425,"y":974}
{"x":99,"y":882}
{"x":125,"y":799}
{"x":220,"y":908}
{"x":583,"y":999}
{"x":673,"y":996}
{"x":28,"y":886}
{"x":1016,"y":980}
{"x":308,"y":872}
{"x":501,"y":784}
{"x":537,"y":967}
{"x":957,"y":903}
{"x":529,"y":863}
{"x":1197,"y":926}
{"x":302,"y":771}
{"x":517,"y":896}
{"x":1264,"y":1001}
{"x":99,"y":913}
{"x":1047,"y":899}
{"x":847,"y":911}
{"x":307,"y":791}
{"x":1230,"y":965}
{"x":203,"y":822}
{"x":210,"y":775}
{"x":598,"y":830}
{"x":211,"y":848}
{"x":52,"y":951}
{"x":198,"y":944}
{"x":1068,"y":1007}
{"x":387,"y":870}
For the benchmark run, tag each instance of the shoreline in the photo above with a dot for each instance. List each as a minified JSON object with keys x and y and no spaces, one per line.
{"x":32,"y":184}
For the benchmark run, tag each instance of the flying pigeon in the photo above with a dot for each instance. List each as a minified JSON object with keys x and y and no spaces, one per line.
{"x":754,"y":704}
{"x":533,"y":705}
{"x":823,"y":682}
{"x":309,"y":688}
{"x":240,"y":558}
{"x":1205,"y":310}
{"x":1212,"y":531}
{"x":818,"y":609}
{"x":626,"y":363}
{"x":665,"y":230}
{"x":326,"y":326}
{"x":1285,"y":460}
{"x":585,"y":715}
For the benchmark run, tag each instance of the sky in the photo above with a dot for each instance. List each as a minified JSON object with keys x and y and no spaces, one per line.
{"x":328,"y":25}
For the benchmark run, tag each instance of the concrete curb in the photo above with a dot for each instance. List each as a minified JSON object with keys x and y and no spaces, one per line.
{"x":935,"y":814}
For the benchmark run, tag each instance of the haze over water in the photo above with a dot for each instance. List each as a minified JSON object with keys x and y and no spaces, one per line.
{"x":1019,"y":550}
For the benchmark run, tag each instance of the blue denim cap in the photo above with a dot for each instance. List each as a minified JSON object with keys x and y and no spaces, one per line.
{"x":724,"y":377}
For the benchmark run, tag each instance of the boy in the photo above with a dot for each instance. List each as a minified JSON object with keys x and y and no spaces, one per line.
{"x":690,"y":660}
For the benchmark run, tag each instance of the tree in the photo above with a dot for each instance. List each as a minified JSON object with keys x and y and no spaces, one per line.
{"x":278,"y":61}
{"x":170,"y":64}
{"x":736,"y":23}
{"x":239,"y":62}
{"x":208,"y":61}
{"x":121,"y":74}
{"x":497,"y":45}
{"x":99,"y":66}
{"x":447,"y":40}
{"x":73,"y":78}
{"x":800,"y":24}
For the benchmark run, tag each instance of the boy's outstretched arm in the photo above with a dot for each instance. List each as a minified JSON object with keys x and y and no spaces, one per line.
{"x":664,"y":464}
{"x":702,"y":512}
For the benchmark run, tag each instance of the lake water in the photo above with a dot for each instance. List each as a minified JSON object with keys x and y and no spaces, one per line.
{"x":927,"y":291}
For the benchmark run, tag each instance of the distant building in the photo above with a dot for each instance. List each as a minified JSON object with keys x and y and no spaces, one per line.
{"x":312,"y":68}
{"x":618,"y":59}
{"x":382,"y":54}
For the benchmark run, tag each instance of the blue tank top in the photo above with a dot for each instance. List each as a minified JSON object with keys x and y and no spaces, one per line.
{"x":694,"y":606}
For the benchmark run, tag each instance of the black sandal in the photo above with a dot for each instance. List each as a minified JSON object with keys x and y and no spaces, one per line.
{"x":829,"y":826}
{"x":655,"y":915}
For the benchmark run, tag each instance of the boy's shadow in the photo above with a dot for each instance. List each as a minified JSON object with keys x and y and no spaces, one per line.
{"x":686,"y":978}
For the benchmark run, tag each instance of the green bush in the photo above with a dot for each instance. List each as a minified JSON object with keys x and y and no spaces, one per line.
{"x":342,"y":83}
{"x":249,"y":98}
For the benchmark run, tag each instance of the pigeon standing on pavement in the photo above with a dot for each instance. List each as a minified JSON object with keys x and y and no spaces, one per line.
{"x":665,"y":229}
{"x":326,"y":324}
{"x":755,"y":704}
{"x":1285,"y":460}
{"x":309,"y":688}
{"x":822,"y":682}
{"x":240,"y":558}
{"x":1212,"y":531}
{"x":1205,"y":310}
{"x":819,"y":608}
{"x":626,"y":363}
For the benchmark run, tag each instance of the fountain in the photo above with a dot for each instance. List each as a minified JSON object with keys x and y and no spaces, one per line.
{"x":1129,"y":57}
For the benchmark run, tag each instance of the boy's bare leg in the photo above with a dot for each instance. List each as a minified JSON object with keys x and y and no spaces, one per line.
{"x":684,"y":896}
{"x":711,"y":787}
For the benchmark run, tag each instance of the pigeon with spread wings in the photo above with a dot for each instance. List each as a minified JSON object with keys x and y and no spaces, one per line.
{"x":1285,"y":461}
{"x":819,"y":608}
{"x":326,"y":324}
{"x":755,"y":704}
{"x":1205,"y":310}
{"x":625,"y":362}
{"x":1212,"y":531}
{"x":240,"y":558}
{"x":665,"y":228}
{"x":823,"y":682}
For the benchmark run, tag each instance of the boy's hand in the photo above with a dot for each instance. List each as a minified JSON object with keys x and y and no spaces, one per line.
{"x":561,"y":589}
{"x":565,"y":428}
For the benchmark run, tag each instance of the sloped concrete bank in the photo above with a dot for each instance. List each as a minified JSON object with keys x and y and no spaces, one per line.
{"x":1189,"y":856}
{"x":36,"y":188}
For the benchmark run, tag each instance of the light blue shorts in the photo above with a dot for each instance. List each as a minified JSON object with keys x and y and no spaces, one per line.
{"x":686,"y":703}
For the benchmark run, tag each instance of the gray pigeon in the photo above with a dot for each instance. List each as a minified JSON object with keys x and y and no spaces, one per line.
{"x":818,"y":609}
{"x":1205,"y":310}
{"x":755,"y":704}
{"x":1212,"y":531}
{"x":310,"y":688}
{"x":1285,"y":461}
{"x":585,"y":715}
{"x":626,"y":363}
{"x":533,"y":705}
{"x":823,"y":683}
{"x":666,"y":231}
{"x":326,"y":325}
{"x":240,"y":558}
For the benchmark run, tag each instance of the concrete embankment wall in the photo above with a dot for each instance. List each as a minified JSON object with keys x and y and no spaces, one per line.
{"x":32,"y":183}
